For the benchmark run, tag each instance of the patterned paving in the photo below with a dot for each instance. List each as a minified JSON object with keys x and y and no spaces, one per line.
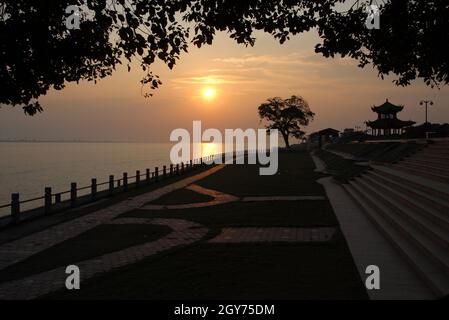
{"x":184,"y":233}
{"x":18,"y":250}
{"x":284,"y":198}
{"x":239,"y":235}
{"x":219,"y":198}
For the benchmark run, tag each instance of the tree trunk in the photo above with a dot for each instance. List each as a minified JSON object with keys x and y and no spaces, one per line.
{"x":285,"y":136}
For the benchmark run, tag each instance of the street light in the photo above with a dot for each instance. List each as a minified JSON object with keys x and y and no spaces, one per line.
{"x":426,"y":103}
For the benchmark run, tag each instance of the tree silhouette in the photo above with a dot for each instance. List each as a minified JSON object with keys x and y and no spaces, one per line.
{"x":287,"y":116}
{"x":38,"y":52}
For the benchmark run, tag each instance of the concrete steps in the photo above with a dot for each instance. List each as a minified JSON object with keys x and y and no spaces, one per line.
{"x":409,"y":203}
{"x":443,"y":152}
{"x":428,"y":172}
{"x":420,"y":215}
{"x":425,"y":196}
{"x":429,"y":167}
{"x":437,"y":166}
{"x":440,"y":164}
{"x":423,"y":255}
{"x":429,"y":157}
{"x":431,"y":162}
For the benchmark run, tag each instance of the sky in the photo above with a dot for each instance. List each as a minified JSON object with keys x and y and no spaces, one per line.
{"x":239,"y":79}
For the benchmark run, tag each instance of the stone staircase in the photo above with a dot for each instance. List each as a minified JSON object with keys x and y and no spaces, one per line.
{"x":409,"y":203}
{"x":432,"y":162}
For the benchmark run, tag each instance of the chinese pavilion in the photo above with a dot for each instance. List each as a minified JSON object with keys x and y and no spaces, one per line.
{"x":387,"y":122}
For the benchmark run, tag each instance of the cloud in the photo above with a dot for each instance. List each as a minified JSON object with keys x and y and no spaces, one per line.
{"x":252,"y":73}
{"x":211,"y":80}
{"x":292,"y":59}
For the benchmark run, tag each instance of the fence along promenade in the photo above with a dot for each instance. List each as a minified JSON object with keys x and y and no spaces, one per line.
{"x":55,"y":202}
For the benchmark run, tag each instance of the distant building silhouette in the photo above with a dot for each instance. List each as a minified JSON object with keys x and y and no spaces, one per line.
{"x":387,"y":122}
{"x":323,"y":137}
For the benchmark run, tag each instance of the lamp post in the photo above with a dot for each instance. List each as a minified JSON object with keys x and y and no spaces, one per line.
{"x":426,"y":103}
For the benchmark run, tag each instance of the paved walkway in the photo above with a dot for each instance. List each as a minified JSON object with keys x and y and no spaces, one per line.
{"x":283,"y":198}
{"x":15,"y":251}
{"x":184,"y":233}
{"x":253,"y":235}
{"x":219,"y":198}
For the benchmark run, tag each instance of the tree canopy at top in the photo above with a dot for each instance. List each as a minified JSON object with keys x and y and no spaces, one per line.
{"x":38,"y":51}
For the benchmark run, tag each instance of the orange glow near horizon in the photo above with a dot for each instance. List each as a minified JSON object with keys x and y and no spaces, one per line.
{"x":221,"y":85}
{"x":210,"y":149}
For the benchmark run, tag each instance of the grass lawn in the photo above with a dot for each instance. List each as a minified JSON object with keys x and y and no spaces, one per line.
{"x":90,"y":244}
{"x":182,"y":196}
{"x":205,"y":270}
{"x":295,"y":177}
{"x":250,"y":214}
{"x":238,"y":271}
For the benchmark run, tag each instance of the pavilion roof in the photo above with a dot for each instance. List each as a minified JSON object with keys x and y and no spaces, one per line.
{"x":389,"y":124}
{"x":387,"y":108}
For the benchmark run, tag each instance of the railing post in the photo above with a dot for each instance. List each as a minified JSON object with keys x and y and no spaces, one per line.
{"x":73,"y":194}
{"x":137,"y":178}
{"x":148,"y":177}
{"x":15,"y":207}
{"x":57,"y":198}
{"x":191,"y":163}
{"x":201,"y":160}
{"x":125,"y":180}
{"x":164,"y":171}
{"x":111,"y":184}
{"x":47,"y":200}
{"x":182,"y":167}
{"x":171,"y":169}
{"x":177,"y":169}
{"x":156,"y":173}
{"x":93,"y":188}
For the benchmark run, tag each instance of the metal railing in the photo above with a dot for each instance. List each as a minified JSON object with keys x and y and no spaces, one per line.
{"x":53,"y":201}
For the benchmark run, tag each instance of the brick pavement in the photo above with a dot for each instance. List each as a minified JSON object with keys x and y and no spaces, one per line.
{"x":239,"y":235}
{"x":18,"y":250}
{"x":219,"y":198}
{"x":184,"y":233}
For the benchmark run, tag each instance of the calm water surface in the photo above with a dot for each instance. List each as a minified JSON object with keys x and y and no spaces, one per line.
{"x":28,"y":168}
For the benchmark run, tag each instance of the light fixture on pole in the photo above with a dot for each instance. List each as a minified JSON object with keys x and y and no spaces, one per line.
{"x":426,"y":103}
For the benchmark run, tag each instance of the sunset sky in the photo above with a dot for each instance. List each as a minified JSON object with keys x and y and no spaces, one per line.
{"x":236,"y":79}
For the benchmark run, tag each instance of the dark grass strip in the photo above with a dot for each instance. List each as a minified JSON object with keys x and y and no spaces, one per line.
{"x":90,"y":244}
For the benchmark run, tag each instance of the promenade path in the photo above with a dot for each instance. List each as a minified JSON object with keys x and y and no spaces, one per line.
{"x":223,"y":233}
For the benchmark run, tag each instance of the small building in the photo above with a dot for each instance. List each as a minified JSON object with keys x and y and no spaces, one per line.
{"x":323,"y":137}
{"x":387,"y":122}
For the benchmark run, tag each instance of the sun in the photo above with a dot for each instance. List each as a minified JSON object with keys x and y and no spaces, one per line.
{"x":209,"y":93}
